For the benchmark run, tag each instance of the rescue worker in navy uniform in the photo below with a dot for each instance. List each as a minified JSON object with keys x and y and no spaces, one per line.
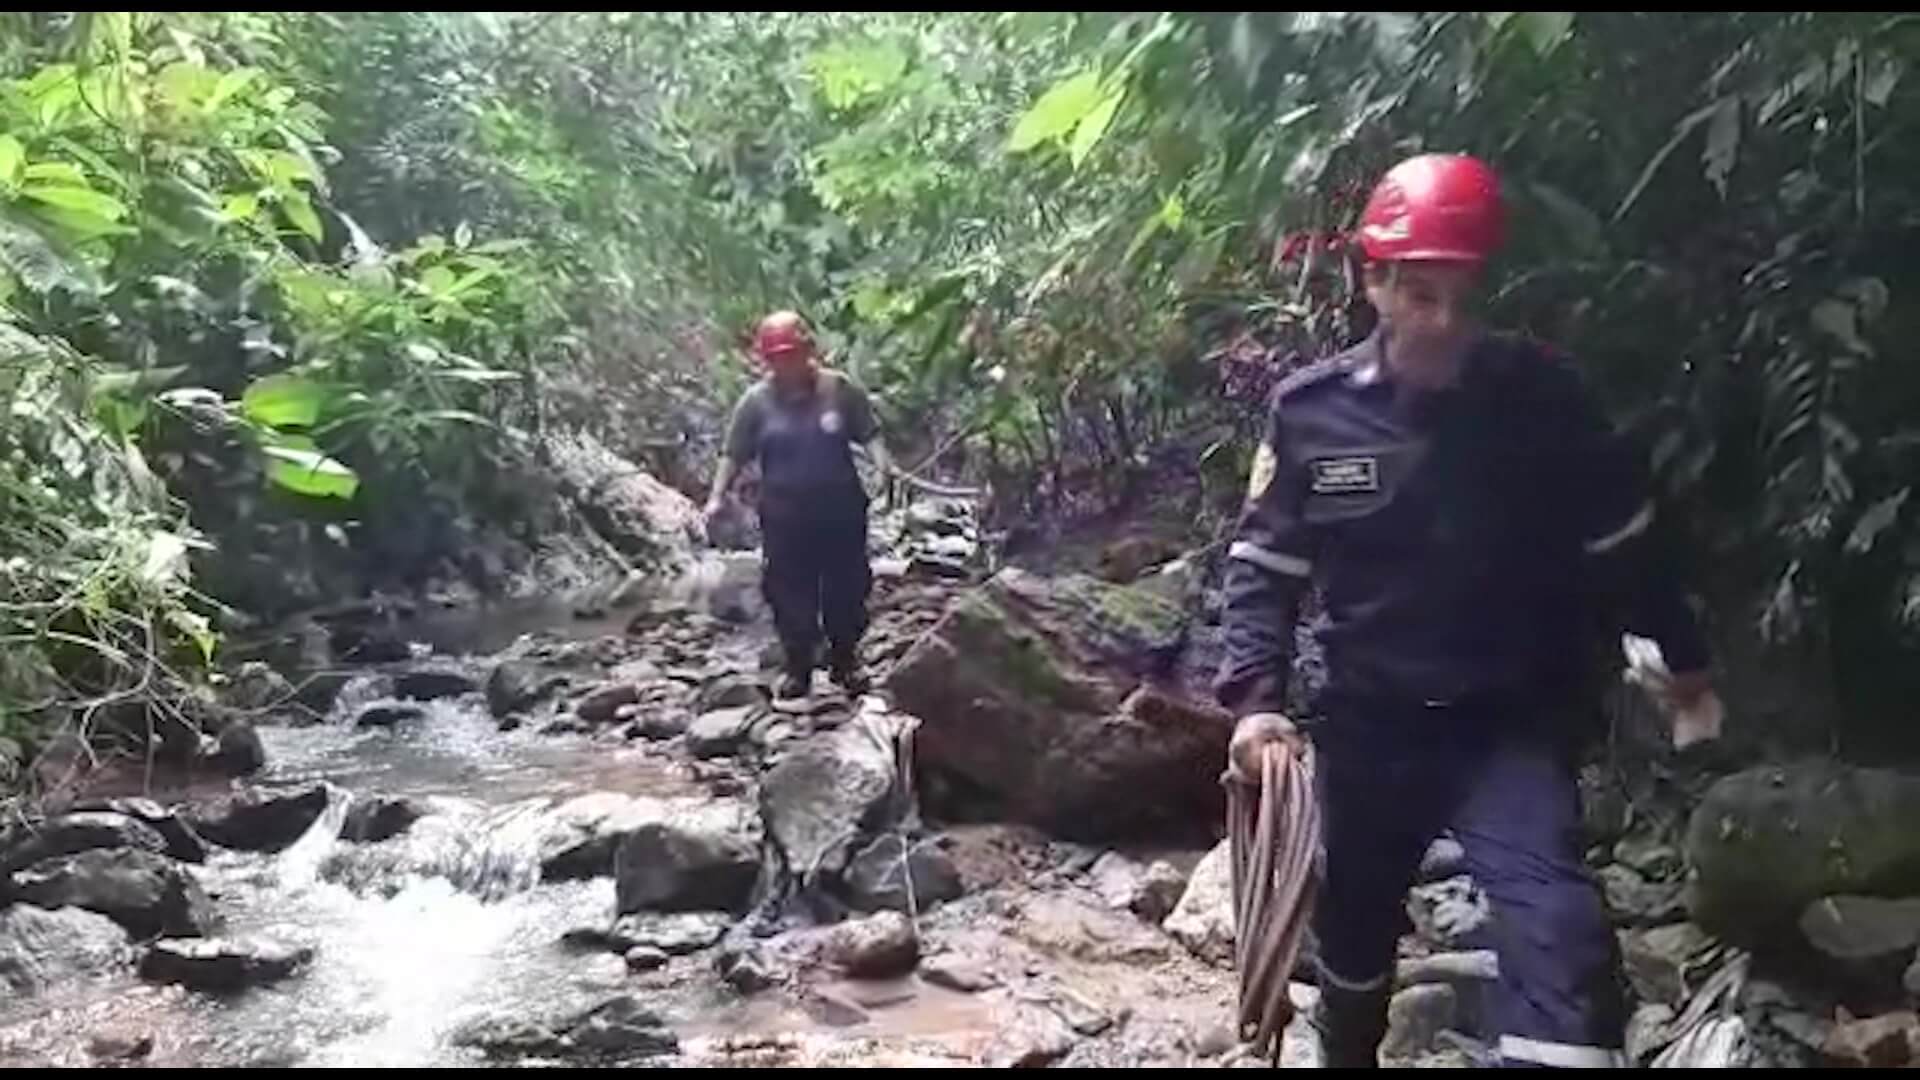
{"x":1462,"y":504}
{"x":799,"y":425}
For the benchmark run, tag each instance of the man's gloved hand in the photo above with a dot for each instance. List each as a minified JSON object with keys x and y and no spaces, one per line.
{"x":1251,"y":737}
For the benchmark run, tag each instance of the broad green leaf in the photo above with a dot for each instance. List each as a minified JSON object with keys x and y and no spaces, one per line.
{"x":437,"y":280}
{"x":12,"y":157}
{"x":230,"y":84}
{"x":80,"y":225}
{"x":285,"y":400}
{"x":299,"y":210}
{"x":297,"y":465}
{"x":1087,"y":134}
{"x":55,"y":172}
{"x":242,"y":207}
{"x":1057,"y":113}
{"x":182,"y":83}
{"x":286,"y":169}
{"x":83,"y":200}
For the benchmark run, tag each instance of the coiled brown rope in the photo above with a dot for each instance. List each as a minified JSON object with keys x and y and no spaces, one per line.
{"x":1274,"y":831}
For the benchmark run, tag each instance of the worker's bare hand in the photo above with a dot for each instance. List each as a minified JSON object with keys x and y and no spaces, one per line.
{"x":1251,"y":738}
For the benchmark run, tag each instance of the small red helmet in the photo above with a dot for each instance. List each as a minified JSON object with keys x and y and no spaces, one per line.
{"x":1434,"y":208}
{"x":782,"y":339}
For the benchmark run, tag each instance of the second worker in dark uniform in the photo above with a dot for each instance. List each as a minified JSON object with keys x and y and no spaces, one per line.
{"x":799,"y":425}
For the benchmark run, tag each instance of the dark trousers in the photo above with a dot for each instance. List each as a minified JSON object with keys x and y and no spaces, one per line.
{"x":1391,"y":778}
{"x":816,"y":579}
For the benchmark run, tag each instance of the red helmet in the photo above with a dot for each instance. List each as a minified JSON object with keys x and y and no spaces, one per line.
{"x":782,"y":339}
{"x":1434,"y":208}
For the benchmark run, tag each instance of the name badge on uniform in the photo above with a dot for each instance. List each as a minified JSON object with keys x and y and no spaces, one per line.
{"x":1346,"y":475}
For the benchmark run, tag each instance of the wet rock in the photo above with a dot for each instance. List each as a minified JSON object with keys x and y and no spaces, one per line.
{"x":114,"y":1046}
{"x":40,"y":948}
{"x":721,"y":732}
{"x":1150,"y":892}
{"x":1032,"y":1038}
{"x":641,"y":959}
{"x":1083,"y":1016}
{"x":1657,"y":961}
{"x":74,"y":833}
{"x":386,"y":714}
{"x":1030,"y":690}
{"x":222,"y":965}
{"x":1449,"y":913}
{"x":147,"y":894}
{"x":1649,"y":855}
{"x":380,"y":818}
{"x":433,"y":683}
{"x":1203,"y":920}
{"x":1634,"y":901}
{"x":517,"y":685}
{"x":731,"y":691}
{"x":1881,"y":1042}
{"x":238,"y":751}
{"x":962,"y":974}
{"x":880,"y":946}
{"x":1767,"y":842}
{"x":257,"y":687}
{"x":1647,"y":1032}
{"x":894,"y":874}
{"x":698,"y":856}
{"x":1415,"y":1018}
{"x":674,"y":935}
{"x":583,"y":833}
{"x":620,"y":1029}
{"x":821,"y":794}
{"x":745,"y":966}
{"x":260,"y":819}
{"x":567,"y":725}
{"x":182,"y":842}
{"x":600,"y":706}
{"x":659,"y":724}
{"x":1862,"y":927}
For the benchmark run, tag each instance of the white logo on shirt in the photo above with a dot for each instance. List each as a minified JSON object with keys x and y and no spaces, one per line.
{"x":830,"y":422}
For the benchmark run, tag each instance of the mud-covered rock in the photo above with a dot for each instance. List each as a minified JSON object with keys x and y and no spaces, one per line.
{"x":879,"y":946}
{"x":896,"y":874}
{"x":182,"y":842}
{"x":1031,"y":694}
{"x":73,"y":833}
{"x":517,"y":685}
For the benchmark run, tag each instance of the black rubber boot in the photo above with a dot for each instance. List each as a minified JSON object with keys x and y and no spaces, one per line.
{"x":1351,"y":1024}
{"x":795,"y":686}
{"x":844,"y":669}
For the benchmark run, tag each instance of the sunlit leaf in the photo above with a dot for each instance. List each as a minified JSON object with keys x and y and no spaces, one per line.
{"x":299,"y":211}
{"x":297,"y":465}
{"x":1058,"y":112}
{"x":1094,"y":125}
{"x":83,"y":200}
{"x":12,"y":157}
{"x":285,"y":400}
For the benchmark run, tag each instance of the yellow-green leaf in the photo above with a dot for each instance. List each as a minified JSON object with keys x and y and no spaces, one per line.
{"x":55,"y":172}
{"x":1087,"y":134}
{"x":437,"y":280}
{"x":299,"y":210}
{"x":12,"y":157}
{"x":197,"y":630}
{"x":284,"y":401}
{"x":1057,"y":113}
{"x":242,"y":207}
{"x":84,"y":200}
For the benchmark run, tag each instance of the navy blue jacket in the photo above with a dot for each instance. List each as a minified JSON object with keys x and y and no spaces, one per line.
{"x":1465,"y":541}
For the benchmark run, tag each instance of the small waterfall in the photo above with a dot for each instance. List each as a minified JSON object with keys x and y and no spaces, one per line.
{"x":488,"y":852}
